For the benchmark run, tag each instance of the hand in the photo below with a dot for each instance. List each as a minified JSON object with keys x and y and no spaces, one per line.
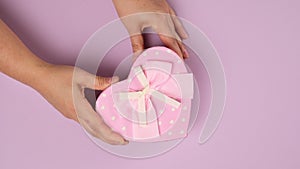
{"x":157,"y":14}
{"x":56,"y":83}
{"x":66,"y":93}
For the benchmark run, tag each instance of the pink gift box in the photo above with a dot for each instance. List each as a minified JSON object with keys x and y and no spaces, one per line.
{"x":154,"y":102}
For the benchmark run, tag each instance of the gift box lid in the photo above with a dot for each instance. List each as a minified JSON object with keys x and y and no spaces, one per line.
{"x":154,"y":102}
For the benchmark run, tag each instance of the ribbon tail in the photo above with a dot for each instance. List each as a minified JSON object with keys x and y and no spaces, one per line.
{"x":129,"y":95}
{"x":142,"y":116}
{"x":149,"y":131}
{"x":166,"y":99}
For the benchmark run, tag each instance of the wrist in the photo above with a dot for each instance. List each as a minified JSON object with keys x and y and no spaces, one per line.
{"x":36,"y":74}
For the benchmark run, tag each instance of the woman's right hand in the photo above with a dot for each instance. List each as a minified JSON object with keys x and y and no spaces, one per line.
{"x":63,"y":87}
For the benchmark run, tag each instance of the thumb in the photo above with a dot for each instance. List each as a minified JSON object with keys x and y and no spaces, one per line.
{"x":101,"y":83}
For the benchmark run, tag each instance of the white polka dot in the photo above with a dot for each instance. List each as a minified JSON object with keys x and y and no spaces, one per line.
{"x":113,"y":118}
{"x":173,"y":109}
{"x":183,"y":119}
{"x":168,"y":50}
{"x":144,"y":54}
{"x":179,"y":61}
{"x":123,"y":128}
{"x":161,"y":111}
{"x":184,"y":108}
{"x":156,"y":53}
{"x":159,"y":123}
{"x":171,"y":122}
{"x":181,"y":132}
{"x":104,"y":95}
{"x":102,"y":107}
{"x":170,"y":133}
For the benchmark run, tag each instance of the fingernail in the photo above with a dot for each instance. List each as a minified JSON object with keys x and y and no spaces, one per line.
{"x":114,"y":79}
{"x":124,"y":142}
{"x":186,"y":35}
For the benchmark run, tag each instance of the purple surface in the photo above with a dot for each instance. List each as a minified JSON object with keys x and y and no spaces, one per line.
{"x":258,"y":42}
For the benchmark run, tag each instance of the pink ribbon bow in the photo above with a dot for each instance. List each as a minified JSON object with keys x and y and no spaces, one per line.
{"x":150,"y":90}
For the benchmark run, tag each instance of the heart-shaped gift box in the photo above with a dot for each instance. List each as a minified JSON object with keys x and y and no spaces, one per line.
{"x":154,"y":102}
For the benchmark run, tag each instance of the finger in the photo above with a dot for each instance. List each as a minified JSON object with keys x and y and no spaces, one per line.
{"x":178,"y":25}
{"x":135,"y":32}
{"x":137,"y":44}
{"x":100,"y":83}
{"x":183,"y":49}
{"x":103,"y":132}
{"x":93,"y":123}
{"x":167,"y":34}
{"x":88,"y":80}
{"x":171,"y":43}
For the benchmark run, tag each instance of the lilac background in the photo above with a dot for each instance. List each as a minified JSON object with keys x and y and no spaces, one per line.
{"x":258,"y":42}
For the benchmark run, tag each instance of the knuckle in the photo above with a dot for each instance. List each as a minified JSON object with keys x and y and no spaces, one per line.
{"x":170,"y":41}
{"x":94,"y":134}
{"x":101,"y":81}
{"x":95,"y":131}
{"x":136,"y":46}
